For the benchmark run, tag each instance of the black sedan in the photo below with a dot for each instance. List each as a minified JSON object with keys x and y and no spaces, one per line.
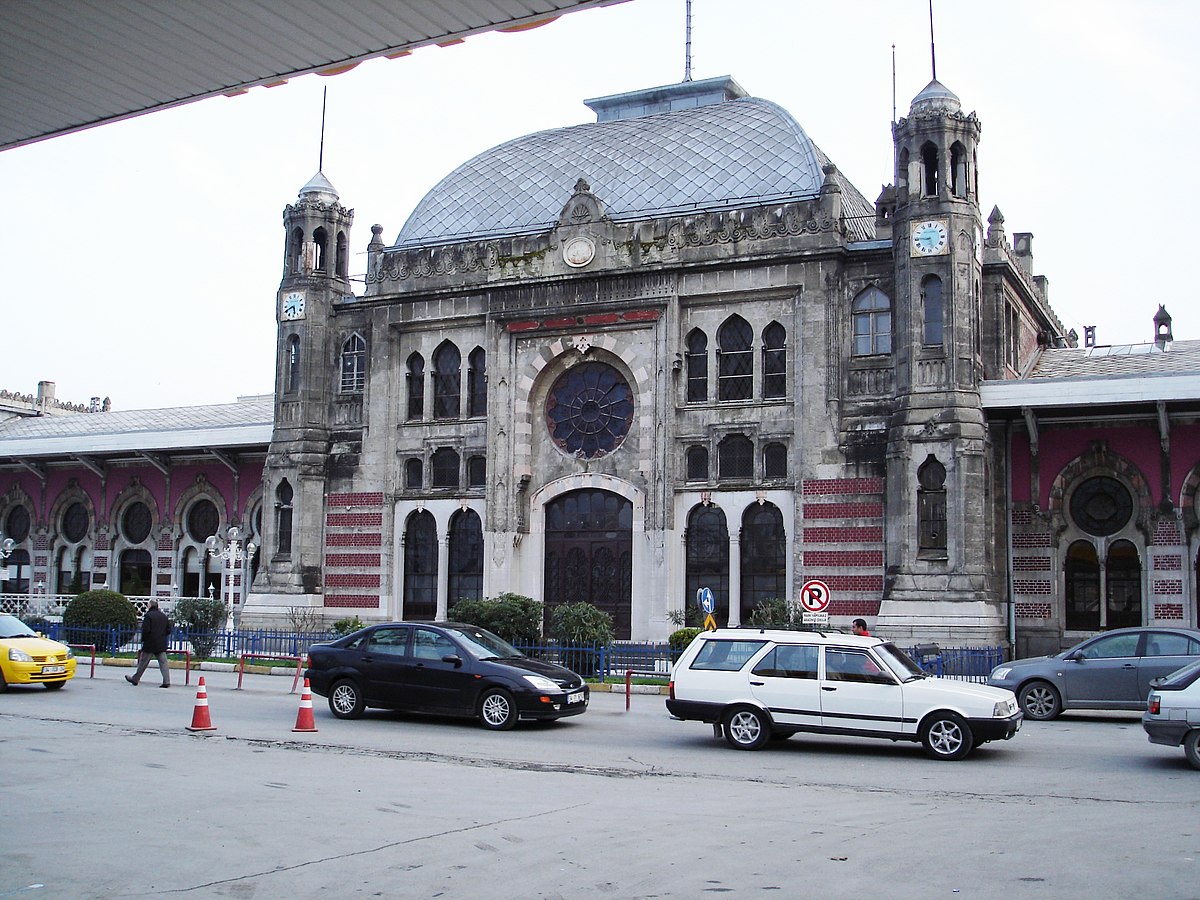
{"x":1112,"y":670}
{"x":444,"y":668}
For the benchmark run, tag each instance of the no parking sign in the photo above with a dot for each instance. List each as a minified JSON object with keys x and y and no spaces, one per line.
{"x":814,"y":602}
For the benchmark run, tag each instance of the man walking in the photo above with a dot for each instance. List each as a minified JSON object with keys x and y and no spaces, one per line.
{"x":156,"y":627}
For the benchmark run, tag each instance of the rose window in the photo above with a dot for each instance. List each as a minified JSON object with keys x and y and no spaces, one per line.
{"x":589,"y":410}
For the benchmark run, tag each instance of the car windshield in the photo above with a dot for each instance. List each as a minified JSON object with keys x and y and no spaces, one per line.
{"x":12,"y":627}
{"x":900,"y":663}
{"x":1180,"y":678}
{"x":482,"y":644}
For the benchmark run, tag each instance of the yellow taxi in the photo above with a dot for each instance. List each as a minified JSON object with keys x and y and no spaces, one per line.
{"x":28,"y":658}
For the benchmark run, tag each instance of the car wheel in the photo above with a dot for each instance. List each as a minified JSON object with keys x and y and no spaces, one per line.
{"x":54,"y":685}
{"x":1040,"y":700}
{"x":498,"y":710}
{"x":346,"y":700}
{"x":746,"y":728}
{"x":947,"y":736}
{"x":1191,"y":747}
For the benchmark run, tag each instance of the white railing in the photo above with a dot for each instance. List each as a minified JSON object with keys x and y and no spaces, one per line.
{"x":51,"y":606}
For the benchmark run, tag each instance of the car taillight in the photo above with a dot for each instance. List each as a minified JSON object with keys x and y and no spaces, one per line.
{"x":1155,"y":704}
{"x":671,"y":688}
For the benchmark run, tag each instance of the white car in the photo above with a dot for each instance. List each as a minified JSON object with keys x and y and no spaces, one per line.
{"x":756,"y":685}
{"x":1172,"y":714}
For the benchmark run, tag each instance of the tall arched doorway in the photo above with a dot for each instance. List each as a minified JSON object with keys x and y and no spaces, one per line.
{"x":589,"y":553}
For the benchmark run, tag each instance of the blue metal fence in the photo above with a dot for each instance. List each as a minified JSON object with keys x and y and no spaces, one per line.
{"x":225,"y":644}
{"x":959,"y":663}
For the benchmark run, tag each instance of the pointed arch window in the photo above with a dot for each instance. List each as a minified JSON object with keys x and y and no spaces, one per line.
{"x":735,"y":457}
{"x":283,"y":517}
{"x":931,"y":297}
{"x":929,"y":169}
{"x":321,"y":242}
{"x":697,"y":366}
{"x":1123,"y":586}
{"x":764,"y":556}
{"x":872,"y":315}
{"x":697,"y":463}
{"x":902,"y":176}
{"x":293,"y":364}
{"x":959,"y":179}
{"x":354,"y":365}
{"x":477,"y":383}
{"x":295,"y":251}
{"x":1081,"y":572}
{"x":416,"y":387}
{"x":735,"y":355}
{"x":447,"y":381}
{"x":707,"y":539}
{"x":342,"y":261}
{"x":931,"y":507}
{"x":420,"y":567}
{"x":466,"y":557}
{"x":774,"y":361}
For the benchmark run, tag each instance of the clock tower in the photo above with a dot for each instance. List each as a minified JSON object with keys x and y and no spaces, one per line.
{"x":940,"y":536}
{"x":315,"y":276}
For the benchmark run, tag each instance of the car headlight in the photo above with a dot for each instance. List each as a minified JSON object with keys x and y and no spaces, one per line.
{"x":1001,"y":673}
{"x":16,"y":655}
{"x":542,"y":684}
{"x":70,"y":652}
{"x":1004,"y":708}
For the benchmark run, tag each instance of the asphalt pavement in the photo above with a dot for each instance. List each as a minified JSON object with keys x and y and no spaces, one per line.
{"x":105,"y":793}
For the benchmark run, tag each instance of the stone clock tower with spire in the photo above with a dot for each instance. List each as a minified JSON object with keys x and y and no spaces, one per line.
{"x":941,"y":568}
{"x":315,"y":276}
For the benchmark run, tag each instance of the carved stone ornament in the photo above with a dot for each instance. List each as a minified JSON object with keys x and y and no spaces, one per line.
{"x":578,"y":252}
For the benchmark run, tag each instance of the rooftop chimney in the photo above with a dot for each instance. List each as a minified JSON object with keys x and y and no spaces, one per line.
{"x":1162,"y":328}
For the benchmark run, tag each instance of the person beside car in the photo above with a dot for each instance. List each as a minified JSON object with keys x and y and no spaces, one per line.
{"x":859,"y":627}
{"x":156,"y":628}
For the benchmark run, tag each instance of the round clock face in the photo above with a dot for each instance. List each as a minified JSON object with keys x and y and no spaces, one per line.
{"x":929,"y":238}
{"x":293,"y":305}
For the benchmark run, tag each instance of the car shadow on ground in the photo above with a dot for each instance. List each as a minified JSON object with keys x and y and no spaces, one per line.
{"x":847,"y":747}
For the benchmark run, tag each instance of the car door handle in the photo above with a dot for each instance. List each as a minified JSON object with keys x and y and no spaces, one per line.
{"x":758,"y":683}
{"x":1129,"y":666}
{"x":828,"y":687}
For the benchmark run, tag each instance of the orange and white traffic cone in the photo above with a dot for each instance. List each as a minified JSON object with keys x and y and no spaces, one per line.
{"x":304,"y":718}
{"x":200,"y":719}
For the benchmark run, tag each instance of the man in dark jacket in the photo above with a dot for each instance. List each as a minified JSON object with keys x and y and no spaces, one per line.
{"x":156,"y":627}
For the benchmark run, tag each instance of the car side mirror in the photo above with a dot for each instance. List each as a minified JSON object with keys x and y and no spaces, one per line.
{"x":455,"y":661}
{"x":1077,"y":656}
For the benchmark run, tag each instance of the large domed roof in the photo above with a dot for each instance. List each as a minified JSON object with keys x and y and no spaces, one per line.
{"x":738,"y":153}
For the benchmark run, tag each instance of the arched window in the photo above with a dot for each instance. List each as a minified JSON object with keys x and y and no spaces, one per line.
{"x":342,"y":262}
{"x":136,"y":522}
{"x":416,"y":387}
{"x":775,"y":461}
{"x":774,"y":361}
{"x":420,"y":567}
{"x":959,"y":183}
{"x":735,"y":354}
{"x":697,"y":463}
{"x":929,"y":169}
{"x":1123,"y":588}
{"x":321,"y":241}
{"x":1081,"y":573}
{"x":75,"y":523}
{"x":203,"y":520}
{"x":707,"y":539}
{"x":477,"y":383}
{"x":354,"y":365}
{"x":931,"y":507}
{"x":735,"y":457}
{"x":295,"y":251}
{"x":17,"y":525}
{"x":477,"y":471}
{"x":764,"y":556}
{"x":447,"y":382}
{"x":283,"y":517}
{"x":902,"y":176}
{"x":414,"y":473}
{"x":931,"y":296}
{"x":697,"y":366}
{"x":466,"y":557}
{"x":872,"y":314}
{"x":293,"y":364}
{"x":445,"y":468}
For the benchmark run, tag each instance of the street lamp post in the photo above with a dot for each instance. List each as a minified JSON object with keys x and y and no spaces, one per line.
{"x":6,"y":548}
{"x":232,"y":551}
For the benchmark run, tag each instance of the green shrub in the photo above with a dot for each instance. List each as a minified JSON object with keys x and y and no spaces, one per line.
{"x":772,"y":612}
{"x":514,"y":617}
{"x":348,"y":626}
{"x":582,"y":623}
{"x":680,"y":639}
{"x":104,"y":618}
{"x":203,"y":619}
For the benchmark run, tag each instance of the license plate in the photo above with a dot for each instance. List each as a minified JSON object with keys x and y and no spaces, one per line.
{"x":576,"y":697}
{"x":53,"y":670}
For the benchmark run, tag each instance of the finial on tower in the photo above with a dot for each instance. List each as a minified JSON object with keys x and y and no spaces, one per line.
{"x":932,"y":49}
{"x":687,"y":43}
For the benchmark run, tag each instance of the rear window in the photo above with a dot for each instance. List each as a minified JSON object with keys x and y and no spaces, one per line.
{"x":1179,"y":679}
{"x":725,"y":656}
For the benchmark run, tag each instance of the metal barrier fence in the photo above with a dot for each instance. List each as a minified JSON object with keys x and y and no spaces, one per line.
{"x":224,"y":644}
{"x":959,"y":663}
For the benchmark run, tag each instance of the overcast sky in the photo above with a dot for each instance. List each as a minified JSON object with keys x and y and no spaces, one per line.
{"x":143,"y":257}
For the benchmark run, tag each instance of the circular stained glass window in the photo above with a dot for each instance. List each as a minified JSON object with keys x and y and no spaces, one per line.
{"x":1101,"y":506}
{"x":18,"y":524}
{"x":75,"y":523}
{"x":589,"y":410}
{"x":136,"y":522}
{"x":202,"y":520}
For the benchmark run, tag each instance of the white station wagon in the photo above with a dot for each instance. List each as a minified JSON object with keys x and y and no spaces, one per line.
{"x":757,"y":685}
